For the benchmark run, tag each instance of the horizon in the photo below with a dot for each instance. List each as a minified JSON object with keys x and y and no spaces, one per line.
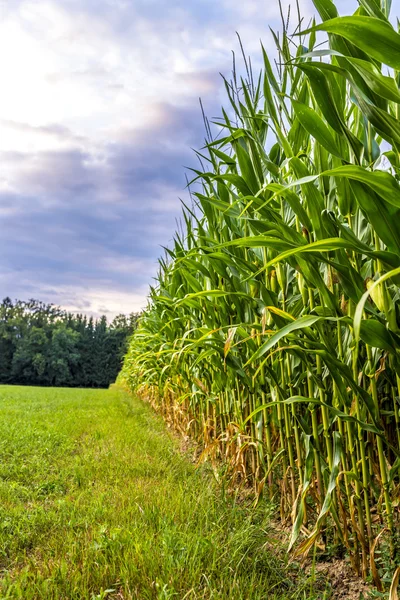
{"x":98,"y":116}
{"x":62,"y":311}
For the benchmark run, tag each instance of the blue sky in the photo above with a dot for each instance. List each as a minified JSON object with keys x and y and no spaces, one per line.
{"x":98,"y":114}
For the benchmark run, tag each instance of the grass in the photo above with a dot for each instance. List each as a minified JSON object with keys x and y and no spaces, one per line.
{"x":97,"y":501}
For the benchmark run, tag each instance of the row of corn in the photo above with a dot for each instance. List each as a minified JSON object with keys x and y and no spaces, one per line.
{"x":272,"y":334}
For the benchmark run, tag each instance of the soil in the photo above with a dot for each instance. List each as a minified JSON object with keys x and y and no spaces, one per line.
{"x":345,"y":584}
{"x":337,"y":572}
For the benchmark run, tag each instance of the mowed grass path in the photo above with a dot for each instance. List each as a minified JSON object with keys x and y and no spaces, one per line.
{"x":96,"y":501}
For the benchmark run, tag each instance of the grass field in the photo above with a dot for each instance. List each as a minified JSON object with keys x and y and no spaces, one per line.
{"x":96,"y":501}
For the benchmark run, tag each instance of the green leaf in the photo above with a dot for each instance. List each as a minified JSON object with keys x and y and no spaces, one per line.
{"x":372,"y":7}
{"x":315,"y":126}
{"x":223,"y":156}
{"x":384,"y":123}
{"x":246,"y":168}
{"x":375,"y":37}
{"x":301,"y":323}
{"x":314,"y":199}
{"x":323,"y":96}
{"x":382,"y":215}
{"x":294,"y":201}
{"x":380,"y":84}
{"x":376,"y":335}
{"x":326,"y":9}
{"x":360,"y":306}
{"x":382,"y":182}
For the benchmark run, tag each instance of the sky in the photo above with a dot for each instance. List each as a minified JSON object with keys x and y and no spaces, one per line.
{"x":99,"y":112}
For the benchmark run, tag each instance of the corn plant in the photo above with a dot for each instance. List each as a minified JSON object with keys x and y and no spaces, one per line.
{"x":272,"y":333}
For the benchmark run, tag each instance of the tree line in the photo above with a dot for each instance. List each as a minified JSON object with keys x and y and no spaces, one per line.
{"x":42,"y":344}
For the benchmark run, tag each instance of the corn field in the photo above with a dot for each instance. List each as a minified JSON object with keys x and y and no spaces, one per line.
{"x":272,"y":334}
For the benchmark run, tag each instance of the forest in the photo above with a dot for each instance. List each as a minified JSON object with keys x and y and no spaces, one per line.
{"x":42,"y":344}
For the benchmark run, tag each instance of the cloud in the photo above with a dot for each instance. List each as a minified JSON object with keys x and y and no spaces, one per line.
{"x":99,"y":109}
{"x":54,"y":129}
{"x":87,"y":298}
{"x":77,"y":220}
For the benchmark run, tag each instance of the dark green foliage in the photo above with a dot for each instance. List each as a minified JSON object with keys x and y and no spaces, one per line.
{"x":272,"y":335}
{"x":40,"y":344}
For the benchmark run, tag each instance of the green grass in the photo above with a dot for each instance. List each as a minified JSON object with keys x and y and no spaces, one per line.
{"x":95,"y":495}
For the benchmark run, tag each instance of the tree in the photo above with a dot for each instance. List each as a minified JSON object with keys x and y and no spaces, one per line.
{"x":29,"y":359}
{"x":7,"y":340}
{"x":62,"y":355}
{"x":41,"y":344}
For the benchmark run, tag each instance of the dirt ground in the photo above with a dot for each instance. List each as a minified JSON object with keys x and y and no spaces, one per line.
{"x":345,"y":584}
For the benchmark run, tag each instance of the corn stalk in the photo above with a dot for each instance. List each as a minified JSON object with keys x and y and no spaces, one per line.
{"x":272,"y":334}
